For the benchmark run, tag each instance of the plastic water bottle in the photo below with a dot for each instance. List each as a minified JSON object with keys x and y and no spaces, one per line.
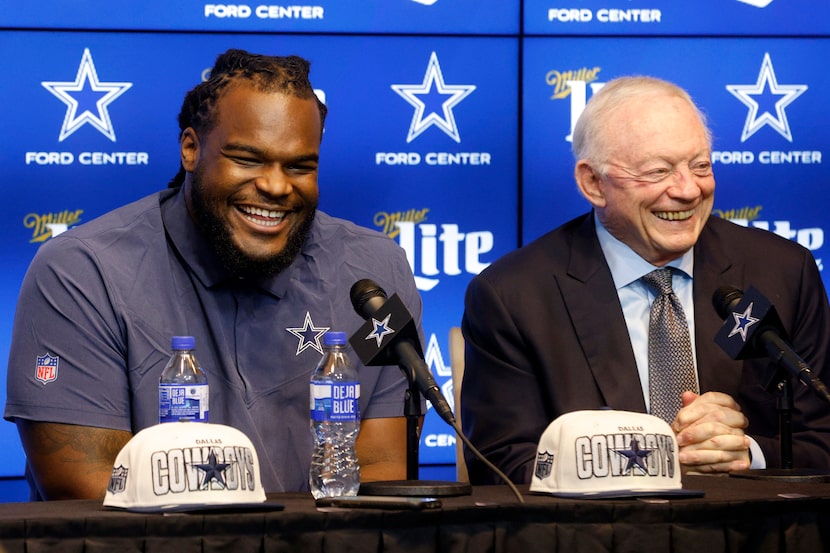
{"x":183,"y":386}
{"x":335,"y":421}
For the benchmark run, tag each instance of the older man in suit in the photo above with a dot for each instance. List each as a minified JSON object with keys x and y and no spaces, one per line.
{"x":562,"y":324}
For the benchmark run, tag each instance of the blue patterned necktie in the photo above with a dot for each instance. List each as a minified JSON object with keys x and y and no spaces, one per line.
{"x":671,"y":370}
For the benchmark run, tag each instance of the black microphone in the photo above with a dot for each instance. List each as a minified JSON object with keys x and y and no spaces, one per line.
{"x":390,"y":337}
{"x":752,"y":329}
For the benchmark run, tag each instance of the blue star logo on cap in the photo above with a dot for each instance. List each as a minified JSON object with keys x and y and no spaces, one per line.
{"x":743,"y":321}
{"x":636,"y":456}
{"x":766,"y":85}
{"x":86,"y":99}
{"x":381,"y":329}
{"x":433,"y":85}
{"x":213,"y":470}
{"x":309,"y":335}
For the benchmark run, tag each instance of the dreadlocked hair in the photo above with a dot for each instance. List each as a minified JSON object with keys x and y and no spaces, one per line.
{"x":283,"y":74}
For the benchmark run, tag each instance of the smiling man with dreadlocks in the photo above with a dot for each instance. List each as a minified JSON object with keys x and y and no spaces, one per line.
{"x":236,"y":254}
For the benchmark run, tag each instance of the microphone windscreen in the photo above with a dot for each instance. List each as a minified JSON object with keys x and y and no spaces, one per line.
{"x":725,"y":299}
{"x":362,"y":292}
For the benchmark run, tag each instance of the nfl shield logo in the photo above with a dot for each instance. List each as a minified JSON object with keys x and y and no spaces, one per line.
{"x":46,"y":369}
{"x":118,"y":480}
{"x":544,"y":463}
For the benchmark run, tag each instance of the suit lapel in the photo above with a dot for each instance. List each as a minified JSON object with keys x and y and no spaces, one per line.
{"x":713,"y":268}
{"x":591,"y":297}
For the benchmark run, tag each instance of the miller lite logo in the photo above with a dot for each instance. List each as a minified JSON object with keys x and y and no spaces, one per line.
{"x":46,"y":368}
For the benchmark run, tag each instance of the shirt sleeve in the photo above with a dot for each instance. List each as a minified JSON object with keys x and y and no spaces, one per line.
{"x":66,"y":362}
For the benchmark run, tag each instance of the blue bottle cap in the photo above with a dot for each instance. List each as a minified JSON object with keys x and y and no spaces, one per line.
{"x":334,"y":338}
{"x":183,"y":342}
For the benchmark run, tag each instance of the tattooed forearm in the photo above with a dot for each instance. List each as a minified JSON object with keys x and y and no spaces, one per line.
{"x":93,"y":447}
{"x":69,"y":461}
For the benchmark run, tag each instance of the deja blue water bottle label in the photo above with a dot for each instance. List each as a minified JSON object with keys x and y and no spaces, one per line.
{"x":335,"y":401}
{"x":179,"y":402}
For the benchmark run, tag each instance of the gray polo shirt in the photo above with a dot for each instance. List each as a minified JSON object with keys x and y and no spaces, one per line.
{"x":100,"y":302}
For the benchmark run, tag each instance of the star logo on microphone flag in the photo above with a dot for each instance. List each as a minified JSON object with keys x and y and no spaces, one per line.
{"x":636,"y":456}
{"x":86,"y":99}
{"x":309,"y":335}
{"x":743,"y":321}
{"x":381,"y":329}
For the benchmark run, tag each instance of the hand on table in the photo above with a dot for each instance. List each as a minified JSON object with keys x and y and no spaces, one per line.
{"x":710,"y":434}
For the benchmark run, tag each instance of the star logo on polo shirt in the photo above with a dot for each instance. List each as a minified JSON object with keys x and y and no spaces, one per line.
{"x":766,"y":86}
{"x":87,"y":99}
{"x":309,"y":335}
{"x":636,"y":456}
{"x":381,"y":329}
{"x":432,"y":89}
{"x":213,"y":470}
{"x":742,"y":322}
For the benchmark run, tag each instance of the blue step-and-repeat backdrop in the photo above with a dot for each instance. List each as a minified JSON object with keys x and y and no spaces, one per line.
{"x":449,"y":126}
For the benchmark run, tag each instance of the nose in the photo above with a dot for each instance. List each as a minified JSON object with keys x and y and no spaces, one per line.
{"x":684,"y":184}
{"x":274,"y":181}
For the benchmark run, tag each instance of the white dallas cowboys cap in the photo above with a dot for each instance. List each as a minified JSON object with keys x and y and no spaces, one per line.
{"x":187,"y":466}
{"x":608,"y":453}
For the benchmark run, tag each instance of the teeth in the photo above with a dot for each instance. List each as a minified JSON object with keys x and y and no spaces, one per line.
{"x":674,"y":215}
{"x":275,"y":217}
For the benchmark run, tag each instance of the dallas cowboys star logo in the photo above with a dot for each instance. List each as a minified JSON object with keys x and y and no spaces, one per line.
{"x":213,"y":470}
{"x":742,"y":322}
{"x":433,"y":80}
{"x":309,"y":335}
{"x":635,"y":455}
{"x":86,"y":99}
{"x":381,"y":329}
{"x":757,"y":3}
{"x":766,"y":81}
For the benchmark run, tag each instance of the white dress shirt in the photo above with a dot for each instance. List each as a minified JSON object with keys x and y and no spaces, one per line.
{"x":627,"y":268}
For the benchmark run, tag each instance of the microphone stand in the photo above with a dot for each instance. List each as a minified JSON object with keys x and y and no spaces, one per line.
{"x":412,"y":411}
{"x":412,"y":486}
{"x":784,"y":405}
{"x":370,"y":302}
{"x":781,"y":384}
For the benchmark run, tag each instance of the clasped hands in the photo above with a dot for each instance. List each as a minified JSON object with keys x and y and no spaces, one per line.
{"x":710,"y":434}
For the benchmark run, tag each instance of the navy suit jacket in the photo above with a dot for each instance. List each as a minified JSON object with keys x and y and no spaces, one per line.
{"x":545,"y":335}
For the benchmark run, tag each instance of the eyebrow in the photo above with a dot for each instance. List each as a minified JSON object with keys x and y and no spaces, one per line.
{"x":239,"y":147}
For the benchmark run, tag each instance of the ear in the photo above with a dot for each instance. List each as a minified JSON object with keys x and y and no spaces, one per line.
{"x":189,"y":149}
{"x":589,"y":182}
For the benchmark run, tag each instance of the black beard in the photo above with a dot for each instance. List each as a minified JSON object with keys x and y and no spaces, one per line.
{"x":235,"y":261}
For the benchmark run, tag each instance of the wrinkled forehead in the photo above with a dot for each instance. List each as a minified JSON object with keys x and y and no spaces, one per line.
{"x":657,"y":121}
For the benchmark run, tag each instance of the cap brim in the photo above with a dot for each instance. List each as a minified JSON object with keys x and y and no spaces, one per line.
{"x":625,"y":493}
{"x":221,"y":508}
